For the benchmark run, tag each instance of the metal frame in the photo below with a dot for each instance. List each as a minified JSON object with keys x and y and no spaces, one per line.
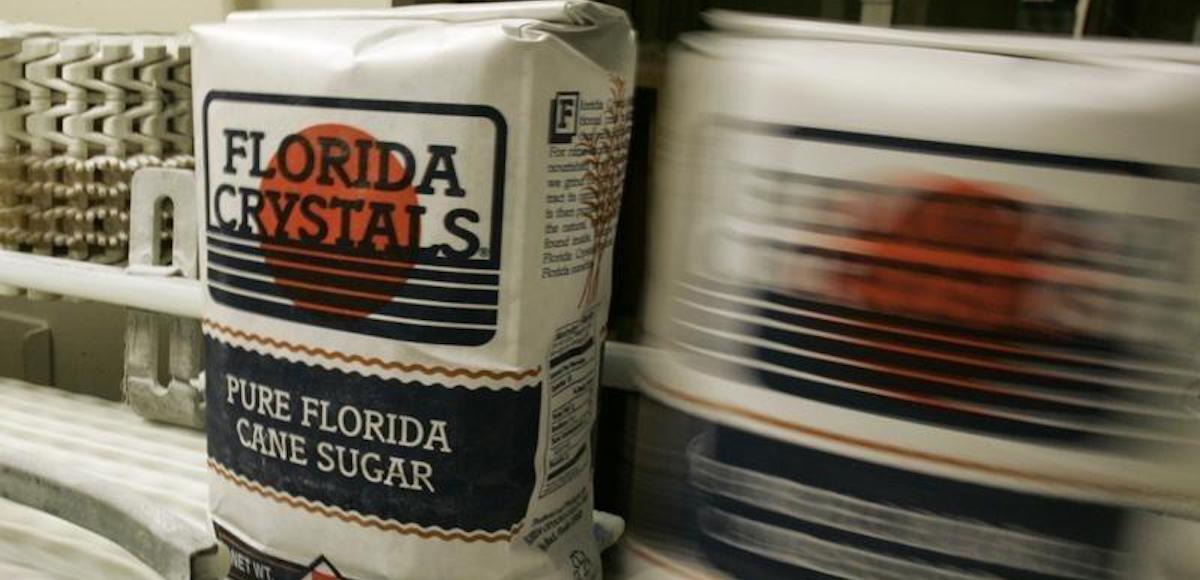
{"x":181,"y":400}
{"x":100,"y":283}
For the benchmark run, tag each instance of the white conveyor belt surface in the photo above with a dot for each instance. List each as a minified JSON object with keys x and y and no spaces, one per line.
{"x":102,"y":442}
{"x":35,"y":545}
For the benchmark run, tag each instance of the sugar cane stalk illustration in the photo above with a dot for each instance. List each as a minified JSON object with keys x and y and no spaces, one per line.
{"x":605,"y":151}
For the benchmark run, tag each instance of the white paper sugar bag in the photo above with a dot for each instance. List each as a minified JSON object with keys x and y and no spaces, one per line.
{"x":939,"y":256}
{"x":409,"y":219}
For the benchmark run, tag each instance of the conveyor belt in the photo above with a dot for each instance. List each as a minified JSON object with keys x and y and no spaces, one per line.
{"x":98,"y":464}
{"x":37,"y":546}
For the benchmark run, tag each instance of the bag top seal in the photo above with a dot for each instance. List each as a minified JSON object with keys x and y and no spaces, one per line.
{"x":568,"y":12}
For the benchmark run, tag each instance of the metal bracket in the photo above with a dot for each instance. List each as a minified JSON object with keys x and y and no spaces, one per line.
{"x":27,"y":348}
{"x":181,"y":400}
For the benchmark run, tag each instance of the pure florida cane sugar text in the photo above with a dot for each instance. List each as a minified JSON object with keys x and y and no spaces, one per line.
{"x":409,"y":217}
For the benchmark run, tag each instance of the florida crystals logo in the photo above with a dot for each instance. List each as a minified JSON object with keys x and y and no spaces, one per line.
{"x":374,"y":217}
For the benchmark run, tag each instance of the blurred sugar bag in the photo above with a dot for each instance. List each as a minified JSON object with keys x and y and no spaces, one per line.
{"x":710,"y":501}
{"x":774,"y":510}
{"x":744,"y":24}
{"x":661,"y":540}
{"x":965,"y":256}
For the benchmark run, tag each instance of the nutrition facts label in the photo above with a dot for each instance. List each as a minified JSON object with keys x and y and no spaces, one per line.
{"x":572,"y":374}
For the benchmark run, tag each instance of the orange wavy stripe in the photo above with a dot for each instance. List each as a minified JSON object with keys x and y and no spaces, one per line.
{"x":372,"y":361}
{"x":350,"y":518}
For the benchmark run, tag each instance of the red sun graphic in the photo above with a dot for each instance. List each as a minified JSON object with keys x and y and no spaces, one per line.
{"x":954,"y":254}
{"x":335,"y":241}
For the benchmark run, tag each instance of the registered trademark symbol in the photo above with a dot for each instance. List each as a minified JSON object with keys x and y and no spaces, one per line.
{"x":484,"y":252}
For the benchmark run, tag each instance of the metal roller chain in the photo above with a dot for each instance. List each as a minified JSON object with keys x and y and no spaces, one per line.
{"x":80,"y":113}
